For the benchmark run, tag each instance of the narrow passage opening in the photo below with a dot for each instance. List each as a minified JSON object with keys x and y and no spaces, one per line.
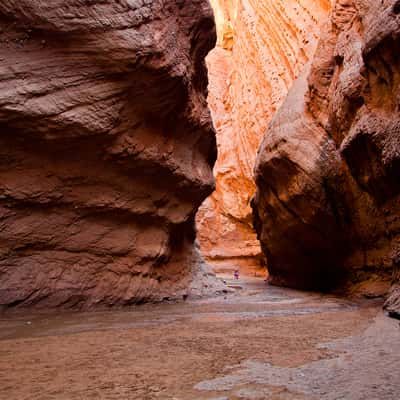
{"x":262,"y":48}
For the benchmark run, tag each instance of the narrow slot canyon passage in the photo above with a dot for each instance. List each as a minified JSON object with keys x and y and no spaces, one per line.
{"x":262,"y":47}
{"x":118,"y":257}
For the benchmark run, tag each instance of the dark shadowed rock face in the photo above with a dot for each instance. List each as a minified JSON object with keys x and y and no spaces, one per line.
{"x":106,"y":150}
{"x":328,"y":172}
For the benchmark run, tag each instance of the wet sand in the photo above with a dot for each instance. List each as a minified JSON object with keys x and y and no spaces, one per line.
{"x":259,"y":342}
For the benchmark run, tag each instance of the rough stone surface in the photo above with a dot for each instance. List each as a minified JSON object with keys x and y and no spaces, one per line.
{"x":327,"y":205}
{"x":262,"y":47}
{"x":392,"y":304}
{"x":107,"y":149}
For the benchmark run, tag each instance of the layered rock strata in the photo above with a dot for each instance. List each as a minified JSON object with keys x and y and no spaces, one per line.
{"x":107,"y":149}
{"x":262,"y":47}
{"x":327,"y":206}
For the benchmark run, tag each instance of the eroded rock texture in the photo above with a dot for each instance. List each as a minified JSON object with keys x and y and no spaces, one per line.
{"x":328,"y":171}
{"x":392,"y":304}
{"x":106,"y":149}
{"x":262,"y":47}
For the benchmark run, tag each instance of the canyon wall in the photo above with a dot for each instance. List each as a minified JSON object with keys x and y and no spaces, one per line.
{"x":262,"y":47}
{"x":328,"y":171}
{"x":107,"y":149}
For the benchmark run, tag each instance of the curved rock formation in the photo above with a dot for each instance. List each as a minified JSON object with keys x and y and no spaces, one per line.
{"x":262,"y":47}
{"x":328,"y":191}
{"x":107,"y":149}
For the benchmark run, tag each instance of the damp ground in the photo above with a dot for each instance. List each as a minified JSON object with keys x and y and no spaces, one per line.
{"x":259,"y":342}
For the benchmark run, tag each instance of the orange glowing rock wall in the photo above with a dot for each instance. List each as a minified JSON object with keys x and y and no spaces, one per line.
{"x":262,"y":47}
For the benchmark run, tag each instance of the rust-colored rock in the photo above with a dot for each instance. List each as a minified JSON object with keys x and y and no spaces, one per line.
{"x":392,"y":304}
{"x":328,"y":190}
{"x":262,"y":47}
{"x":107,"y":149}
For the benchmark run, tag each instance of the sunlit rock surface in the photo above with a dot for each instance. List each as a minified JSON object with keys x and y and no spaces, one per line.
{"x":328,"y":171}
{"x":106,"y":152}
{"x":262,"y":47}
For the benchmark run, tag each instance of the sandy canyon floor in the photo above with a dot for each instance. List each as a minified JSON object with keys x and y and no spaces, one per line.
{"x":259,"y":342}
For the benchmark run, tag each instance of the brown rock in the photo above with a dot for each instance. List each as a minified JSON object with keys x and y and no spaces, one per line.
{"x":262,"y":47}
{"x":392,"y":304}
{"x":327,"y":204}
{"x":106,"y":149}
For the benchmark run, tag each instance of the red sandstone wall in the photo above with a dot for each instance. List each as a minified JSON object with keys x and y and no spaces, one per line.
{"x":327,"y":204}
{"x":106,"y":151}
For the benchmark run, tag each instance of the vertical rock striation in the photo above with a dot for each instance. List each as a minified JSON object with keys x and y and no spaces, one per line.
{"x":262,"y":47}
{"x":328,"y":190}
{"x":107,"y":149}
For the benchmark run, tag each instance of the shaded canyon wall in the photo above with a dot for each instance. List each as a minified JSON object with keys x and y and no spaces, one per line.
{"x":262,"y":47}
{"x":327,"y":206}
{"x":107,"y":149}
